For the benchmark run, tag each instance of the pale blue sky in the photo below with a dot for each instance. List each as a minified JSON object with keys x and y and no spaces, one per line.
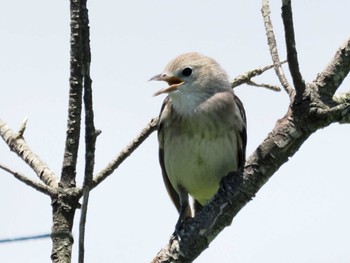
{"x":300,"y":215}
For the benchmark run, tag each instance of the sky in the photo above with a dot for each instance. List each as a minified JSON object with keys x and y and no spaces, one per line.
{"x":300,"y":215}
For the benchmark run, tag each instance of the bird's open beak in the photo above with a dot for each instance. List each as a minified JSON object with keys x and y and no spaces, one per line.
{"x":173,"y":82}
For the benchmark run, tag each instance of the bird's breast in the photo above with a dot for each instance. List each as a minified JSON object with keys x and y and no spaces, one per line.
{"x":196,"y":157}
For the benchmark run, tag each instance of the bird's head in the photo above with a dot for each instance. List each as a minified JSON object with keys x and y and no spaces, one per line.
{"x":192,"y":74}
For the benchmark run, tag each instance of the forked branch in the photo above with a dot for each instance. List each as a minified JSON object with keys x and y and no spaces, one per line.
{"x":18,"y":145}
{"x":28,"y":181}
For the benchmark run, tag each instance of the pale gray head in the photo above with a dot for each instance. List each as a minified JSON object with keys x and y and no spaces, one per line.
{"x":192,"y":79}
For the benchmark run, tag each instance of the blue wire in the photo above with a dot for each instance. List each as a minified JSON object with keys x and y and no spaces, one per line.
{"x":15,"y":239}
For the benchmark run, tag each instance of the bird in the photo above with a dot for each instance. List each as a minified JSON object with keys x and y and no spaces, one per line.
{"x":201,"y":132}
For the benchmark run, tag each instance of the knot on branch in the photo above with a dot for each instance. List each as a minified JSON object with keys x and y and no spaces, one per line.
{"x":317,"y":110}
{"x":67,"y":199}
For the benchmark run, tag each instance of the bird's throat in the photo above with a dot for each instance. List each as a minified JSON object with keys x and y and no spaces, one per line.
{"x":186,"y":104}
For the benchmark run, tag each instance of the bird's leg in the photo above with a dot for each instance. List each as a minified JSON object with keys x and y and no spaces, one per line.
{"x":184,"y":212}
{"x":197,"y":207}
{"x":229,"y":183}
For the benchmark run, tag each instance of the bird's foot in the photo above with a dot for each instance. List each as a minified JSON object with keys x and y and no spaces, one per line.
{"x":179,"y":227}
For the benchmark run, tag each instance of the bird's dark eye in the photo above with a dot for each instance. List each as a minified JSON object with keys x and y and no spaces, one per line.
{"x":187,"y":72}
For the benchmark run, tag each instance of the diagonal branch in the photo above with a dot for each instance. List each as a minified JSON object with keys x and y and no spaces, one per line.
{"x":333,"y":75}
{"x":17,"y":144}
{"x":235,"y":192}
{"x":132,"y":146}
{"x":271,"y":40}
{"x":292,"y":55}
{"x":24,"y":179}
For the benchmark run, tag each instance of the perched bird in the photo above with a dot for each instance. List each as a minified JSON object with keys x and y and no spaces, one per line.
{"x":201,"y":131}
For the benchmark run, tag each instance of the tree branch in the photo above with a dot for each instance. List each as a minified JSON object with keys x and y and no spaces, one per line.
{"x":90,"y":131}
{"x":66,"y":202}
{"x":132,"y":146}
{"x":342,"y":97}
{"x":332,"y":77}
{"x":17,"y":144}
{"x":236,"y":191}
{"x":246,"y":78}
{"x":292,"y":56}
{"x":75,"y":99}
{"x":24,"y":179}
{"x":263,"y":85}
{"x":239,"y":188}
{"x":339,"y":113}
{"x":271,"y":40}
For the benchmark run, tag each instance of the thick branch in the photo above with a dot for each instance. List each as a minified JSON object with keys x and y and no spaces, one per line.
{"x":332,"y":77}
{"x":75,"y":99}
{"x":237,"y":190}
{"x":66,"y":203}
{"x":17,"y":144}
{"x":271,"y":40}
{"x":292,"y":56}
{"x":24,"y":179}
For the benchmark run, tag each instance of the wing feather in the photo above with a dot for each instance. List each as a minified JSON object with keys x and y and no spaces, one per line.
{"x":170,"y":189}
{"x":242,"y":139}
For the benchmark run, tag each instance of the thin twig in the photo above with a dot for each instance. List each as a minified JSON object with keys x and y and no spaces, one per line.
{"x":264,"y":85}
{"x":18,"y":145}
{"x":150,"y":127}
{"x":24,"y":179}
{"x":246,"y":77}
{"x":271,"y":40}
{"x":22,"y":128}
{"x":292,"y":56}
